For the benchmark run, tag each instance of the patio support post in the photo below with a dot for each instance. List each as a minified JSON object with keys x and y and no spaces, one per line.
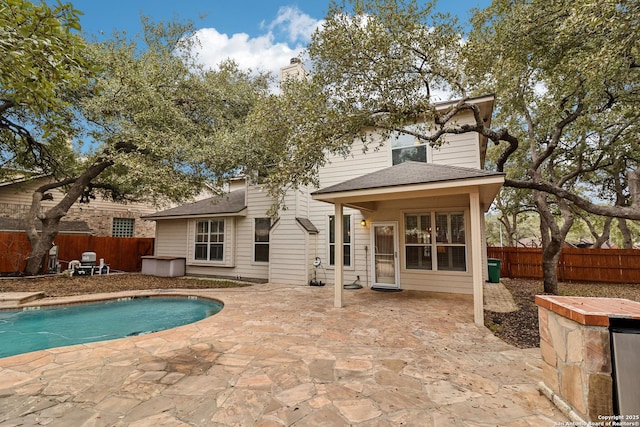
{"x":338,"y":255}
{"x":476,"y":257}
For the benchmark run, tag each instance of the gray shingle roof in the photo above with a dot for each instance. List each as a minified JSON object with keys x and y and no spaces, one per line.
{"x":66,"y":227}
{"x":231,"y":203}
{"x":307,"y":225}
{"x":408,"y":173}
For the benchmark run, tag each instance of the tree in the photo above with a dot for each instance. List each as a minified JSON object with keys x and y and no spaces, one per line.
{"x":152,"y":125}
{"x":42,"y":63}
{"x":378,"y":63}
{"x":566,"y":115}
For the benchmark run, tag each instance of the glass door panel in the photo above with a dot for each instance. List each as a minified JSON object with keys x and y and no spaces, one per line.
{"x":385,"y":255}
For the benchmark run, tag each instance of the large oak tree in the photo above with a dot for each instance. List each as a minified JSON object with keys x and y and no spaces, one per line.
{"x":146,"y":121}
{"x":564,"y":73}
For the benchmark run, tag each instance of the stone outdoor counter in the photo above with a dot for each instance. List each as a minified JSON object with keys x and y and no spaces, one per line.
{"x":576,"y":352}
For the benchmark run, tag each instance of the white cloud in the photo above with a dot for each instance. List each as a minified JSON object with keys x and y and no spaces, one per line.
{"x":264,"y":52}
{"x":298,"y":26}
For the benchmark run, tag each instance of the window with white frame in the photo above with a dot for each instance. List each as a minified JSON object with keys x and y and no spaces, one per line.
{"x":407,"y":148}
{"x":417,"y":240}
{"x":435,"y":241}
{"x":346,"y":240}
{"x":122,"y":227}
{"x":209,"y":240}
{"x":261,"y":239}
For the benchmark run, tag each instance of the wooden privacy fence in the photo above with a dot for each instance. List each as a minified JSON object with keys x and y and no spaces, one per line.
{"x":575,"y":265}
{"x":121,"y":253}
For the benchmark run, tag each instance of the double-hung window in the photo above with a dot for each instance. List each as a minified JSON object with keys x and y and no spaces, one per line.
{"x":261,"y":239}
{"x":209,"y":245}
{"x":346,"y":240}
{"x":435,"y":241}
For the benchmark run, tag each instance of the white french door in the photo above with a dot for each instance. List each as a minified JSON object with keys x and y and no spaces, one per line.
{"x":384,"y":241}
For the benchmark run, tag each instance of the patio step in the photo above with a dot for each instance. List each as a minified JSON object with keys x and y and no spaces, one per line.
{"x":16,"y":299}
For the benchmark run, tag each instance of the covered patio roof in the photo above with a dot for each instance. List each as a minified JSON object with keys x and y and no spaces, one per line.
{"x":412,"y":180}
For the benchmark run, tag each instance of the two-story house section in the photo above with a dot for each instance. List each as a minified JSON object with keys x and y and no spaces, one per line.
{"x":405,"y":216}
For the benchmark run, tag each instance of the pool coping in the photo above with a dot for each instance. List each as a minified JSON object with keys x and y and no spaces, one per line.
{"x":50,"y":302}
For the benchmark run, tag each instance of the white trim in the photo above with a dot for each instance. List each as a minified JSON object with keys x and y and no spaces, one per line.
{"x":338,"y":273}
{"x":458,"y":186}
{"x":432,"y":212}
{"x":254,"y":243}
{"x":395,"y":135}
{"x":208,"y":261}
{"x":351,"y":266}
{"x":396,"y":257}
{"x":476,"y":258}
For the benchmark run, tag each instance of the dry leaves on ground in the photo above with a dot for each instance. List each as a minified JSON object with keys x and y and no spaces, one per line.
{"x":520,"y":328}
{"x":62,"y":285}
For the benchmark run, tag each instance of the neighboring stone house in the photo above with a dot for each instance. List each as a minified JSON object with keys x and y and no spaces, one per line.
{"x":406,"y":216}
{"x":100,"y":217}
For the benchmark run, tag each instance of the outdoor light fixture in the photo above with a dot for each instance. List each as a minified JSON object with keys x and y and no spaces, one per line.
{"x":363,"y":222}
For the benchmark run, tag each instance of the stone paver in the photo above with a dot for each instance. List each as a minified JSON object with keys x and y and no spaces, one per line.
{"x":497,"y":298}
{"x":284,"y":356}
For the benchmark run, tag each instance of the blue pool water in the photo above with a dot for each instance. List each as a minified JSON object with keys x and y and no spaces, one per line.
{"x":30,"y":330}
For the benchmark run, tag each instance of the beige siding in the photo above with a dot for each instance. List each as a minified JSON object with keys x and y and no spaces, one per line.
{"x":288,"y":247}
{"x":435,"y":281}
{"x":292,"y":249}
{"x":357,"y":163}
{"x":320,"y":213}
{"x":289,"y":244}
{"x":426,"y":280}
{"x":239,"y":235}
{"x":172,"y":238}
{"x":458,"y":150}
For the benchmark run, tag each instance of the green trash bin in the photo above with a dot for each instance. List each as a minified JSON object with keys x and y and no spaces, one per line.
{"x":494,"y":270}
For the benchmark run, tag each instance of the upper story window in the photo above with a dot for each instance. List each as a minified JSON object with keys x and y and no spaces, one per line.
{"x":261,"y":239}
{"x":123,"y":227}
{"x":407,"y":148}
{"x":209,"y":240}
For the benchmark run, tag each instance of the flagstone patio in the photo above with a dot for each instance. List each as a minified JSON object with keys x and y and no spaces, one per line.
{"x":284,"y":356}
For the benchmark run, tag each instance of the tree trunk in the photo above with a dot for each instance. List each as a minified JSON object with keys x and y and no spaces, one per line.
{"x":553,"y":237}
{"x":606,"y":233}
{"x":40,"y":247}
{"x":627,"y":240}
{"x":551,"y":248}
{"x":550,"y":258}
{"x":41,"y":242}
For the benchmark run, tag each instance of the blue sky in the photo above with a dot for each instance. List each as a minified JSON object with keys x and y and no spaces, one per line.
{"x":258,"y":34}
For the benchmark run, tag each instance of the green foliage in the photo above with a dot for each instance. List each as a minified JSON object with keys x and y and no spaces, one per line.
{"x":40,"y":54}
{"x":150,"y":122}
{"x":178,"y":120}
{"x":567,"y":87}
{"x":43,"y":67}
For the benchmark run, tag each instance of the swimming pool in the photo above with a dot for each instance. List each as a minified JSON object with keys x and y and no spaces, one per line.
{"x":41,"y":328}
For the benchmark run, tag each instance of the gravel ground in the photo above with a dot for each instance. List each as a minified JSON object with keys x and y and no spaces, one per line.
{"x":519,"y":328}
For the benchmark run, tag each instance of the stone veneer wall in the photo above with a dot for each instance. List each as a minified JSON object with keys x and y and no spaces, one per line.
{"x":576,"y":352}
{"x":577,"y":364}
{"x":100,"y":221}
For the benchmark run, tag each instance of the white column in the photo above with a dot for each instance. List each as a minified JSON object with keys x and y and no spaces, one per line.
{"x":476,"y":257}
{"x":338,"y":249}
